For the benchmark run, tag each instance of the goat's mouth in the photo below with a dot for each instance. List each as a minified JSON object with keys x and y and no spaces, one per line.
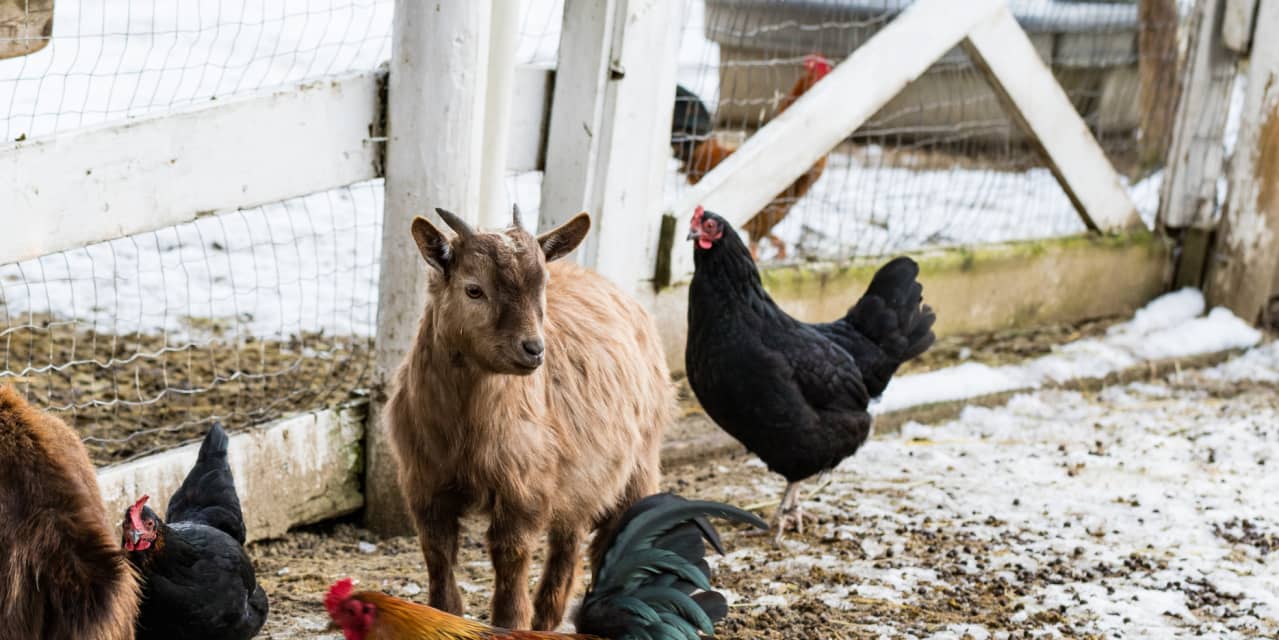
{"x":526,"y":365}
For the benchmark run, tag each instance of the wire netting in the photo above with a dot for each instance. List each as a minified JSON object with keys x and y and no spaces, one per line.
{"x":941,"y":164}
{"x":243,"y":316}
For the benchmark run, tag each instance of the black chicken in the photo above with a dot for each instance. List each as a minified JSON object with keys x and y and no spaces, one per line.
{"x":691,"y":123}
{"x":793,"y":393}
{"x":197,"y":580}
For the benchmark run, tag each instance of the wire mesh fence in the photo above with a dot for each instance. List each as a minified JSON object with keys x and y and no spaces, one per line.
{"x":941,"y":164}
{"x":141,"y":342}
{"x":246,"y":316}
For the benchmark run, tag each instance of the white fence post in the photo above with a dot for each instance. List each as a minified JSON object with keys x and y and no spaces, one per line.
{"x":434,"y":158}
{"x":495,"y":212}
{"x":1244,"y":263}
{"x":608,"y":143}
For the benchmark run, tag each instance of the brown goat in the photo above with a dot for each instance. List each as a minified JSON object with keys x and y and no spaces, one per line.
{"x":62,"y":573}
{"x":537,"y":394}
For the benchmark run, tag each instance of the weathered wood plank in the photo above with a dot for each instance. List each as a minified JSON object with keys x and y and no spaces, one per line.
{"x":1243,"y":265}
{"x":288,"y":473}
{"x":112,"y":181}
{"x":1002,"y":51}
{"x":1195,"y":160}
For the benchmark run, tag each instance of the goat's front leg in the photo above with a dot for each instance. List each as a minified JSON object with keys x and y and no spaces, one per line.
{"x":563,"y":557}
{"x":438,"y":517}
{"x":510,"y":537}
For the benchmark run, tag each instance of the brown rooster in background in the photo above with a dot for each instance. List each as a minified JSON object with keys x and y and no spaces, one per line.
{"x":699,"y":151}
{"x":62,"y":577}
{"x":644,"y":588}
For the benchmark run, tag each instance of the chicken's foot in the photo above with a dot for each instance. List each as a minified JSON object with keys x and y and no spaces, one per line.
{"x":789,"y":511}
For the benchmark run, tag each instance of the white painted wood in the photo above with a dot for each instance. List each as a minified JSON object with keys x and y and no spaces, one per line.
{"x":530,"y":115}
{"x":577,"y":110}
{"x":1196,"y":155}
{"x":1236,"y":28}
{"x":609,"y":132}
{"x":96,"y":184}
{"x":785,"y":148}
{"x":434,"y":158}
{"x":1245,"y":259}
{"x":287,"y":473}
{"x":634,"y":149}
{"x":495,"y":209}
{"x":999,"y":47}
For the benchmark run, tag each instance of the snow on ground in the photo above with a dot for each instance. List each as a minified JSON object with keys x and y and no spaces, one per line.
{"x":1144,"y":511}
{"x":1171,"y":326}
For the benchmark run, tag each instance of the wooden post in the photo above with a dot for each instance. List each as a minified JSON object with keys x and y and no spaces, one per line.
{"x":1244,"y":262}
{"x":495,"y":211}
{"x":609,"y":135}
{"x":1195,"y":160}
{"x":435,"y":139}
{"x":1157,"y":68}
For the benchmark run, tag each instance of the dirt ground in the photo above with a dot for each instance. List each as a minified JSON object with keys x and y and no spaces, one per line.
{"x":135,"y":394}
{"x":1062,"y":514}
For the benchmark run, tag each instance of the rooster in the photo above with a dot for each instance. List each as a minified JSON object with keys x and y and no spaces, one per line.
{"x":197,"y":580}
{"x":644,"y":588}
{"x":699,"y":152}
{"x":61,"y":575}
{"x":795,"y":394}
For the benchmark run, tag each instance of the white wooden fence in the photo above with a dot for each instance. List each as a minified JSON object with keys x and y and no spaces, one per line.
{"x":458,"y":113}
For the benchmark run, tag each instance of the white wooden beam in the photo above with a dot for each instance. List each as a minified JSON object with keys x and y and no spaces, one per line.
{"x":855,"y":89}
{"x":287,"y":473}
{"x":1236,"y":28}
{"x":1196,"y":157}
{"x":610,"y":131}
{"x":1244,"y":262}
{"x":577,"y":110}
{"x":106,"y":182}
{"x":495,"y":211}
{"x":1000,"y":48}
{"x":117,"y":180}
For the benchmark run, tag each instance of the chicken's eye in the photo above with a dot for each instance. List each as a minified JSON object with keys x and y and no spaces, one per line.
{"x":474,"y":292}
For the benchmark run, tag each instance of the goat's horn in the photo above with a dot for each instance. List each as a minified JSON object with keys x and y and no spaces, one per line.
{"x":515,"y":216}
{"x":455,"y":223}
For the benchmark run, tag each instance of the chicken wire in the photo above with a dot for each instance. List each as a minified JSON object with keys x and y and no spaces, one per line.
{"x":245,"y":316}
{"x":941,"y":164}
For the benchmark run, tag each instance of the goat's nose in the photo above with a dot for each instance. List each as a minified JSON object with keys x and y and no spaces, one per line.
{"x":533,"y":347}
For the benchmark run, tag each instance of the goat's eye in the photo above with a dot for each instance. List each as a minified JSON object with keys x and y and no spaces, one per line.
{"x":474,"y":292}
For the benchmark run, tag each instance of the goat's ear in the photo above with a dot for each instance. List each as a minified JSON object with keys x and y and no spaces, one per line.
{"x":432,"y":244}
{"x":562,"y":240}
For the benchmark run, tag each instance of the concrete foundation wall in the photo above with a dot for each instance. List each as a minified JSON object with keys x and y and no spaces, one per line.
{"x":291,"y":472}
{"x":972,"y":289}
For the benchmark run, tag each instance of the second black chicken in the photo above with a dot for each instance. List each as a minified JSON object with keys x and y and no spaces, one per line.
{"x":197,"y":581}
{"x":794,"y":393}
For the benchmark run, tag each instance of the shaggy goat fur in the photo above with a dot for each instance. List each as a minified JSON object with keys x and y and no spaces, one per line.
{"x":564,"y":447}
{"x":62,"y":573}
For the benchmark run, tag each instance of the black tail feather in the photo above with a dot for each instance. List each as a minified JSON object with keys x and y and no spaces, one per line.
{"x":655,"y":561}
{"x":208,"y":496}
{"x":888,"y":326}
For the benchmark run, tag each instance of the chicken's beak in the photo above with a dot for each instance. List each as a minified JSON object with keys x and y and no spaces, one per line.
{"x":135,"y":535}
{"x":333,"y":626}
{"x":693,"y":233}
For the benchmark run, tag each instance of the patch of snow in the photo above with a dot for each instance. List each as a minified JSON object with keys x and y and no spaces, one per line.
{"x":1168,"y":327}
{"x":1260,"y":364}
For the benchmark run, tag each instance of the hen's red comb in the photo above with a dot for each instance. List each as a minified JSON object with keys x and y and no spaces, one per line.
{"x":816,"y":64}
{"x":135,"y":512}
{"x":338,"y":593}
{"x":698,"y":213}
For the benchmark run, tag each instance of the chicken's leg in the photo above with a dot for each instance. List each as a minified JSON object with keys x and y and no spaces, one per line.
{"x":790,"y":510}
{"x":779,"y":246}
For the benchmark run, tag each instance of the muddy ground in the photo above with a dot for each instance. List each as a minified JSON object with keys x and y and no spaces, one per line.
{"x":1135,"y":511}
